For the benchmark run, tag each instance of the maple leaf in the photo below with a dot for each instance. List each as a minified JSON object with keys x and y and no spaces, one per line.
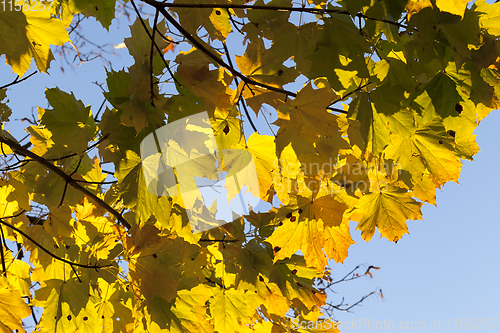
{"x":388,"y":211}
{"x":27,"y":35}
{"x":102,"y":10}
{"x":262,"y":66}
{"x":12,"y":307}
{"x":235,"y":308}
{"x":69,"y":117}
{"x":316,"y":225}
{"x":385,"y":112}
{"x":429,"y":147}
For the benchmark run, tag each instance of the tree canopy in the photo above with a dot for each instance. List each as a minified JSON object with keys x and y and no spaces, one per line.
{"x":374,"y":105}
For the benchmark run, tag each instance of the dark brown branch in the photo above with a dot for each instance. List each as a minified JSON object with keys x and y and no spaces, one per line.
{"x":68,"y":179}
{"x":44,"y":249}
{"x":196,"y":43}
{"x":66,"y":185}
{"x":98,"y":183}
{"x":348,"y":307}
{"x":220,"y":240}
{"x":74,"y":271}
{"x":2,"y":256}
{"x":276,"y":8}
{"x":154,"y":43}
{"x":99,"y":111}
{"x":95,"y":144}
{"x":217,"y":59}
{"x":151,"y":77}
{"x":235,"y":25}
{"x":347,"y":95}
{"x":33,"y":315}
{"x":16,"y":80}
{"x":336,"y":110}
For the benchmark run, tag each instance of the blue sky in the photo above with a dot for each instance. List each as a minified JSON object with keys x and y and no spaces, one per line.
{"x":446,"y":269}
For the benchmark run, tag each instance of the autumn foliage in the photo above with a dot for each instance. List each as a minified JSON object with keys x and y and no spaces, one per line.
{"x":390,"y":94}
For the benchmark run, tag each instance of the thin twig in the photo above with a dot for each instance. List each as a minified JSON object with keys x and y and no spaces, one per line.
{"x":66,"y":185}
{"x":154,"y":43}
{"x":349,"y":94}
{"x":98,"y":183}
{"x":16,"y":80}
{"x":228,"y":56}
{"x":43,"y":248}
{"x":151,"y":77}
{"x":217,"y":58}
{"x":234,"y":22}
{"x":74,"y":270}
{"x":95,"y":144}
{"x":99,"y":111}
{"x":220,"y":240}
{"x":312,"y":10}
{"x":2,"y":257}
{"x":196,"y":43}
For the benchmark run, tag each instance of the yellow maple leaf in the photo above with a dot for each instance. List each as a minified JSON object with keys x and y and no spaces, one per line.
{"x":455,"y":7}
{"x":388,"y":210}
{"x":263,"y":151}
{"x":28,"y":35}
{"x":12,"y":308}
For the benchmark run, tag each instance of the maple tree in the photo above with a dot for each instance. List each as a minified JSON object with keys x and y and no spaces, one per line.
{"x":392,"y":92}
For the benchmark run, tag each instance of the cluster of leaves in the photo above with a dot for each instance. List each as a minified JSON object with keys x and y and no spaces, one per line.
{"x":393,"y":93}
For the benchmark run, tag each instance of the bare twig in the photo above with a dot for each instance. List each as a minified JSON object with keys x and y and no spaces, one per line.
{"x":16,"y":80}
{"x":151,"y":77}
{"x":346,"y":307}
{"x":349,"y":94}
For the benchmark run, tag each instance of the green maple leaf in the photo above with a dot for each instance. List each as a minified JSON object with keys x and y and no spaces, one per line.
{"x":428,"y":147}
{"x":102,"y":10}
{"x":68,"y":118}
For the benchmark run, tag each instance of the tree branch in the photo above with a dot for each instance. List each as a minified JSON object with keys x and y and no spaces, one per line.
{"x":151,"y":37}
{"x":67,"y":178}
{"x":237,"y":83}
{"x":2,"y":257}
{"x":44,"y":249}
{"x":311,"y":10}
{"x":218,"y":60}
{"x":196,"y":43}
